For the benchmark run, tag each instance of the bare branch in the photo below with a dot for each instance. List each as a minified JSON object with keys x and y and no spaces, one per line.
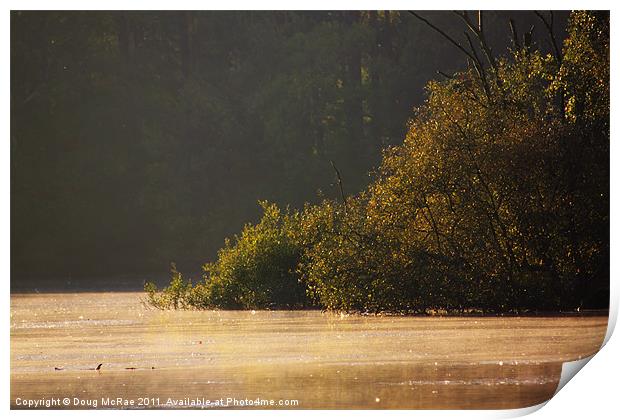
{"x":515,"y":35}
{"x":479,"y":67}
{"x":473,"y":56}
{"x":442,"y":33}
{"x":344,"y":199}
{"x":481,"y":39}
{"x":549,"y":25}
{"x":447,"y":76}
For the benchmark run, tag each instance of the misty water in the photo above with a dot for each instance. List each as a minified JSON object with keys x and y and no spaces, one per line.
{"x":322,"y":360}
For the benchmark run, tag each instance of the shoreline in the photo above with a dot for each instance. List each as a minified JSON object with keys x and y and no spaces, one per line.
{"x":467,"y":313}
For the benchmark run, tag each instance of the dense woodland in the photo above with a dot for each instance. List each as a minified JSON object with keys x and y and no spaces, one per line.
{"x":140,"y":138}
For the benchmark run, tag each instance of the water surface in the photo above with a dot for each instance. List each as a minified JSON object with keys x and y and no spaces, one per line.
{"x":322,"y":360}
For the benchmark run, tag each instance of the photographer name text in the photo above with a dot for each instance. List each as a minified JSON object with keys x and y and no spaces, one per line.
{"x":120,"y":402}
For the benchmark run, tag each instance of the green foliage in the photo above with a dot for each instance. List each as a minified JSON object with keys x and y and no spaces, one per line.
{"x":583,"y":78}
{"x":177,"y":295}
{"x":484,"y":205}
{"x":257,"y":269}
{"x":497,"y":200}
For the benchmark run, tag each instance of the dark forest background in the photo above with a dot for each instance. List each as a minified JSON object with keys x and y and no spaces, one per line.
{"x":141,"y":138}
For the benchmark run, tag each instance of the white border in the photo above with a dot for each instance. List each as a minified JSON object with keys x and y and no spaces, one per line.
{"x":593,"y":394}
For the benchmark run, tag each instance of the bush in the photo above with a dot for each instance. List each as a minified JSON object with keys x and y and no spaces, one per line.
{"x":498,"y":199}
{"x":351,"y":265}
{"x":257,"y":269}
{"x":178,"y":294}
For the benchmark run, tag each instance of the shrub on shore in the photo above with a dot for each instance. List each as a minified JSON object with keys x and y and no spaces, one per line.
{"x":256,"y":269}
{"x":497,"y":199}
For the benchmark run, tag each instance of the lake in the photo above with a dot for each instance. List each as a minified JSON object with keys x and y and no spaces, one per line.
{"x":285,"y":359}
